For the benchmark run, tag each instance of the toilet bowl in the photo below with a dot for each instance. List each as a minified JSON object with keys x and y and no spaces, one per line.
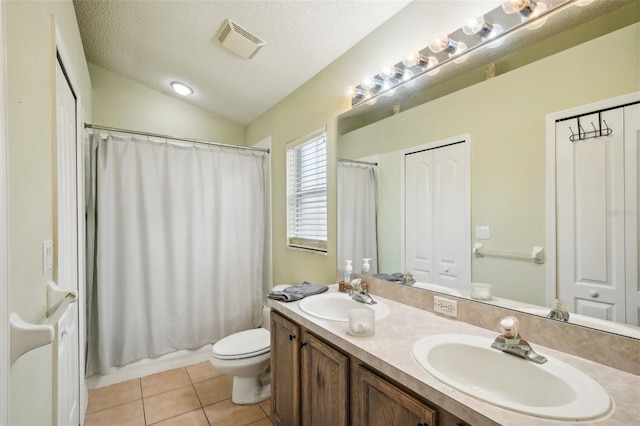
{"x":245,"y":356}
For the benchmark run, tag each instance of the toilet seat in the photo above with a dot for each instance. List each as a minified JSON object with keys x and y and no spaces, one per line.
{"x":245,"y":344}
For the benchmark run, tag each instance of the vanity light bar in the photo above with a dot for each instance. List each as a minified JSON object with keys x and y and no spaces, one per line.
{"x":446,"y":48}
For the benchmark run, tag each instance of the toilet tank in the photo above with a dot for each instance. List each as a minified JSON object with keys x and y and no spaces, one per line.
{"x":266,"y":317}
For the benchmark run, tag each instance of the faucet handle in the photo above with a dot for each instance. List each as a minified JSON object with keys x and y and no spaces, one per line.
{"x":509,"y":327}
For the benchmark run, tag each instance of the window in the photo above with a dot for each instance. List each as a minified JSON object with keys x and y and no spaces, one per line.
{"x":307,"y":192}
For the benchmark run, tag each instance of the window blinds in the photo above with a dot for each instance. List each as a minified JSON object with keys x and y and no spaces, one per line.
{"x":307,"y":194}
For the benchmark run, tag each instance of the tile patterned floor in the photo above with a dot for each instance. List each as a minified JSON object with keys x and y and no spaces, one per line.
{"x":193,"y":396}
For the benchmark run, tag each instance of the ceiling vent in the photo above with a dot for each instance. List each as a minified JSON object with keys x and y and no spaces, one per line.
{"x":238,"y":40}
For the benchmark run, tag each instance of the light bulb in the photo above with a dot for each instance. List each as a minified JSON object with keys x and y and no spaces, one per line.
{"x":537,"y":23}
{"x":390,"y":71}
{"x":369,"y":82}
{"x":411,"y":59}
{"x":442,"y":43}
{"x":477,"y":26}
{"x":181,"y":88}
{"x":523,"y":7}
{"x":352,"y":92}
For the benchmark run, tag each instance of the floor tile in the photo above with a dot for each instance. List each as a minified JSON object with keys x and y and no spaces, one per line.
{"x":130,"y":414}
{"x":110,"y":396}
{"x":226,"y":413}
{"x":192,"y":418}
{"x":170,"y":404}
{"x":263,"y":422}
{"x":214,"y":390}
{"x":202,"y":371}
{"x":266,"y":406}
{"x":165,"y":381}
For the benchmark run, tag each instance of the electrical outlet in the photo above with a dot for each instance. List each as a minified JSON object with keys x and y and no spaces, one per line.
{"x":445,"y":306}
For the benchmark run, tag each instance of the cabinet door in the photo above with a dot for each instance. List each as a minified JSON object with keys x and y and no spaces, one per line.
{"x":325,"y":375}
{"x":379,"y":403}
{"x":285,"y":371}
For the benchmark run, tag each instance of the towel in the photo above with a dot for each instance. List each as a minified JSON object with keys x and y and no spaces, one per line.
{"x":395,"y":277}
{"x":297,"y":292}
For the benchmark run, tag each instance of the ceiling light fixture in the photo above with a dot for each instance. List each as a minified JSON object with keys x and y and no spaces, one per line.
{"x":455,"y":47}
{"x":181,"y":88}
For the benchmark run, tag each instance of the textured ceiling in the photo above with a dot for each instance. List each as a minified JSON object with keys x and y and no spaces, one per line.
{"x":156,"y":42}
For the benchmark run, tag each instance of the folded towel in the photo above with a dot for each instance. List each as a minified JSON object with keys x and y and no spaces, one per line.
{"x":297,"y":292}
{"x":395,"y":277}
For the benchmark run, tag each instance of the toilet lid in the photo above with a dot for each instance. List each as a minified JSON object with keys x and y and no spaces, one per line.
{"x":245,"y":344}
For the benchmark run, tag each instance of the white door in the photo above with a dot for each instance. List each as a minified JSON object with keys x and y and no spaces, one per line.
{"x":590,"y":203}
{"x":436,"y":212}
{"x":67,"y":388}
{"x":632,"y":211}
{"x":419,"y":216}
{"x":450,"y":213}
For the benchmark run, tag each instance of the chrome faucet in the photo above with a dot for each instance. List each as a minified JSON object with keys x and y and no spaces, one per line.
{"x":407,"y":279}
{"x":558,"y":311}
{"x":511,"y":342}
{"x":363,"y":297}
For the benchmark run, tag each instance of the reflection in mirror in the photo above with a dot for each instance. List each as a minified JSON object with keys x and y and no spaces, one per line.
{"x":505,"y":119}
{"x":357,"y":214}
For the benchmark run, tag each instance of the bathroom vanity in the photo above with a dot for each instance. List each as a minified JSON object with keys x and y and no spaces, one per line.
{"x":323,"y":375}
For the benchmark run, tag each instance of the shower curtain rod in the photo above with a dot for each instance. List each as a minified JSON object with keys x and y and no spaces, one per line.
{"x":175,"y":138}
{"x":344,"y":160}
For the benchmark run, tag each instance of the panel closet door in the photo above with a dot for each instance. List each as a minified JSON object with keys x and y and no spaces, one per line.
{"x":436,"y":206}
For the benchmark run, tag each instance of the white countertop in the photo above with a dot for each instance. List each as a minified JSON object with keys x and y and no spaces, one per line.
{"x":389,"y":351}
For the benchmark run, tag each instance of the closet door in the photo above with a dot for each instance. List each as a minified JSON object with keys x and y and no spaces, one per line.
{"x":632,"y":213}
{"x":419,"y":216}
{"x":590,"y":226}
{"x":436,"y":216}
{"x":449,"y":216}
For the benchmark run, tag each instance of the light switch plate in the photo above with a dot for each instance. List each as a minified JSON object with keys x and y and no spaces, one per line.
{"x":482,"y":232}
{"x":47,"y":256}
{"x":445,"y":306}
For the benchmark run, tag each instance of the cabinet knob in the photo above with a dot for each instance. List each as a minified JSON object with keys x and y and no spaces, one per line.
{"x":303,"y":344}
{"x":593,"y":294}
{"x":292,"y":336}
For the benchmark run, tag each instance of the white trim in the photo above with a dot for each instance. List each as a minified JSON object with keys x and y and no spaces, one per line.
{"x":4,"y":249}
{"x":551,"y":118}
{"x":466,"y":140}
{"x":65,"y":60}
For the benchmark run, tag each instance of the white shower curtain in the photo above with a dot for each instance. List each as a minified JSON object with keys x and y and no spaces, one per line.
{"x":357,"y":215}
{"x":178,"y":247}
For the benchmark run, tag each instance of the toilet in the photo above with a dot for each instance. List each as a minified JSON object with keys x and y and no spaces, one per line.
{"x":245,"y":356}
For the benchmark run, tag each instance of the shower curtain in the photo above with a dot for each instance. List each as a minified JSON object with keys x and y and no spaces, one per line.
{"x":178,"y":251}
{"x":357,"y":215}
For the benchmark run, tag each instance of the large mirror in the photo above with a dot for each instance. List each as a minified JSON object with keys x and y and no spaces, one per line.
{"x":502,"y":122}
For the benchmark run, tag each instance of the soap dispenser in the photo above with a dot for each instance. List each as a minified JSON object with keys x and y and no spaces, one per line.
{"x":347,"y":271}
{"x":366,"y":267}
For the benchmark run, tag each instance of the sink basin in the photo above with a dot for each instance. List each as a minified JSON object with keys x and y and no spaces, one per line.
{"x":336,"y":307}
{"x":553,"y":390}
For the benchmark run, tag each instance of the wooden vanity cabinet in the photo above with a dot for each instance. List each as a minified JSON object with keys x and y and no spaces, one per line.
{"x":285,"y":371}
{"x":314,"y":384}
{"x":309,"y":378}
{"x":380,"y":403}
